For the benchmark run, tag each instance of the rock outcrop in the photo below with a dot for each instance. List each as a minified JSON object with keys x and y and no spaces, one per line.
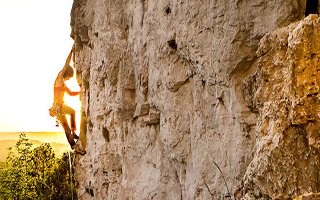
{"x":286,"y":158}
{"x":309,"y":196}
{"x":197,"y":100}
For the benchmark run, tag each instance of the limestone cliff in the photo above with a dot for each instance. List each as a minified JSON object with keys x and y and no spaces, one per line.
{"x":197,"y":99}
{"x":285,"y":94}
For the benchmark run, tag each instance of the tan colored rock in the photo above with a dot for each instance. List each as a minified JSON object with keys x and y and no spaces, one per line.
{"x":163,"y":97}
{"x":286,"y":158}
{"x":310,"y":196}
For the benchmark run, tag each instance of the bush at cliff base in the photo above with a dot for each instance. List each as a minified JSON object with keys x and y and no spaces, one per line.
{"x":35,"y":173}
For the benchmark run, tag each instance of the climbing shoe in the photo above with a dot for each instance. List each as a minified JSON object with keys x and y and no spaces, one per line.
{"x":77,"y":149}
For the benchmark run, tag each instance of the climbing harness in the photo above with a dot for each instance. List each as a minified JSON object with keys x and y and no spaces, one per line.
{"x":55,"y":111}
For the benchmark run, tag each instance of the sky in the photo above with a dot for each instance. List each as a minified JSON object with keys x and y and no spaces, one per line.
{"x":35,"y":42}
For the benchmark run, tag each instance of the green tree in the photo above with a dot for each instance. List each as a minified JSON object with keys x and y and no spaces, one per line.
{"x":62,"y":175}
{"x":35,"y":173}
{"x":14,"y":182}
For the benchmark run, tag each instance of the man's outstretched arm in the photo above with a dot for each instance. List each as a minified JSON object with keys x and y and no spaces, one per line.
{"x":67,"y":62}
{"x":72,"y":93}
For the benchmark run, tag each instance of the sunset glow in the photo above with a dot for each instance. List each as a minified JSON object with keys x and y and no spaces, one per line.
{"x":35,"y":44}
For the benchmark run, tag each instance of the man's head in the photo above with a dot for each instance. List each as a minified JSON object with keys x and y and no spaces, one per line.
{"x":68,"y":74}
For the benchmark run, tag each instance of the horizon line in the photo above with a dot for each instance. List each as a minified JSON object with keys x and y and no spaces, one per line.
{"x":31,"y":132}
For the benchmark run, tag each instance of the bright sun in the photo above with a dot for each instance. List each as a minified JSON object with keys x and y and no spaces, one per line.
{"x":34,"y":49}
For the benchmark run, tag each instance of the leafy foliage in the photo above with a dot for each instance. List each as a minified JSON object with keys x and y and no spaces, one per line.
{"x":35,"y":173}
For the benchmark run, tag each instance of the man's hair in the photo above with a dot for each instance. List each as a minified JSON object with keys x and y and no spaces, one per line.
{"x":69,"y":72}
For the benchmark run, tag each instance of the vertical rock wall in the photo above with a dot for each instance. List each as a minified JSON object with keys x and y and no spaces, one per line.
{"x":169,"y":96}
{"x":286,"y":160}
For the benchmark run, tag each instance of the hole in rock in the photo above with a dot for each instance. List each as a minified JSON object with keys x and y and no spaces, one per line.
{"x":168,"y":10}
{"x":90,"y":191}
{"x":311,"y":7}
{"x":105,"y":134}
{"x":172,"y":43}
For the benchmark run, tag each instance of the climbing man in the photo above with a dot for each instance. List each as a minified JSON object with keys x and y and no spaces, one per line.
{"x":60,"y":110}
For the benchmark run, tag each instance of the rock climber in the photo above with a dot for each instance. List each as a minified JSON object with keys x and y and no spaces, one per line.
{"x":60,"y":110}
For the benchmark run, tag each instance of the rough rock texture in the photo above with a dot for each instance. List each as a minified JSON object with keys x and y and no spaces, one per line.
{"x":309,"y":196}
{"x":177,"y":104}
{"x":286,"y":95}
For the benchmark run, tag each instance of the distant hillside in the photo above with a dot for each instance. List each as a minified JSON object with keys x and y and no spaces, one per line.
{"x":58,"y":148}
{"x":57,"y":141}
{"x":49,"y":137}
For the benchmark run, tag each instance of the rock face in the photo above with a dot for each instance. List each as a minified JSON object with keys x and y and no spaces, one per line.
{"x":309,"y":196}
{"x":286,"y":158}
{"x":197,"y":100}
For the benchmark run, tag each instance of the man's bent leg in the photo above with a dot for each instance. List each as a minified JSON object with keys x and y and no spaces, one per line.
{"x":71,"y":112}
{"x":65,"y":125}
{"x":74,"y":146}
{"x":73,"y":125}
